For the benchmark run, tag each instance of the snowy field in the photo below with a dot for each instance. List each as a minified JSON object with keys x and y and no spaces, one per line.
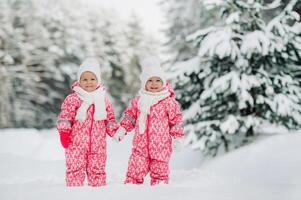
{"x":32,"y":168}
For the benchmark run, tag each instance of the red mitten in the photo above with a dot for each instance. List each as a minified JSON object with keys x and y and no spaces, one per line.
{"x":65,"y":138}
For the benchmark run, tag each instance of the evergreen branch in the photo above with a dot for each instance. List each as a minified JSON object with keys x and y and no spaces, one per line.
{"x":286,"y":11}
{"x":272,"y":5}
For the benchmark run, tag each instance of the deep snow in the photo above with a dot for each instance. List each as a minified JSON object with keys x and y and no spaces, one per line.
{"x":32,"y":167}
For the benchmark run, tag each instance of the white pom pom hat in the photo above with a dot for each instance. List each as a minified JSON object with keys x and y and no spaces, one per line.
{"x":91,"y":65}
{"x":151,"y":66}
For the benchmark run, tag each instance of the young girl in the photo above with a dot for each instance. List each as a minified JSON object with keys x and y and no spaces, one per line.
{"x":156,"y":117}
{"x":86,"y":117}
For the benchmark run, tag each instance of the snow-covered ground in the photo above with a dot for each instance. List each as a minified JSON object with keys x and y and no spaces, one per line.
{"x":32,"y":168}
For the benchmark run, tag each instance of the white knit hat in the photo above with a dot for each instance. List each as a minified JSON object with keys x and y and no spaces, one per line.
{"x":91,"y":65}
{"x":151,"y":66}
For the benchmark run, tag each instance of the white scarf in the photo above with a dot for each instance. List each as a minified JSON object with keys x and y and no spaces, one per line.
{"x":147,"y":99}
{"x":97,"y":97}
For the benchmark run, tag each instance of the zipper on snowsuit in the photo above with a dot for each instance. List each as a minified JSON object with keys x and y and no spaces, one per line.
{"x":148,"y":140}
{"x":90,"y":131}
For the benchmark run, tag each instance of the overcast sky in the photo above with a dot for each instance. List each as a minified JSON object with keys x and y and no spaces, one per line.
{"x":147,"y":10}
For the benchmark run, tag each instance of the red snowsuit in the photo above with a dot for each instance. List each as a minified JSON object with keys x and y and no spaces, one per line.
{"x":152,"y":150}
{"x":87,"y":150}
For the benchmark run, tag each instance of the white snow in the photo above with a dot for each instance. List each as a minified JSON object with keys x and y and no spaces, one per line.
{"x":210,"y":4}
{"x":32,"y":167}
{"x":233,"y":17}
{"x":255,"y":42}
{"x":230,"y":125}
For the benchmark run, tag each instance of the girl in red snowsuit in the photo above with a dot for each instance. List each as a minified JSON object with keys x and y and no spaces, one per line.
{"x":157,"y":119}
{"x":86,"y":117}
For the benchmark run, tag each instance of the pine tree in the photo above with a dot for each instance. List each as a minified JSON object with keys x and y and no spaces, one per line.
{"x":115,"y":81}
{"x":271,"y":13}
{"x":139,"y":44}
{"x":41,"y":47}
{"x":5,"y":58}
{"x":184,"y":17}
{"x":134,"y":37}
{"x":22,"y":87}
{"x":40,"y":80}
{"x":244,"y":75}
{"x":5,"y":105}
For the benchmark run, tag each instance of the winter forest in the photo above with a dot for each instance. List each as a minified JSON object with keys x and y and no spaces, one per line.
{"x":235,"y":66}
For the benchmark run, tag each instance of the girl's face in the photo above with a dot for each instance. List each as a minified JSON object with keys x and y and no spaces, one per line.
{"x":88,"y":81}
{"x":154,"y":84}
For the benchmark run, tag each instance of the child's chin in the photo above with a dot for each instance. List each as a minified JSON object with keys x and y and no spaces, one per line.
{"x":89,"y":89}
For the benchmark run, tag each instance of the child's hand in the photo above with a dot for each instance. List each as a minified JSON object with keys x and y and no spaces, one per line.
{"x":178,"y":144}
{"x":119,"y":135}
{"x":65,"y":138}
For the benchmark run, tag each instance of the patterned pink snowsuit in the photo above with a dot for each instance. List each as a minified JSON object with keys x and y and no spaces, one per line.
{"x":87,"y":150}
{"x":152,"y":150}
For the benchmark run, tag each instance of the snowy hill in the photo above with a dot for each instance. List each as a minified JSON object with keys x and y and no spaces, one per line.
{"x":32,"y":167}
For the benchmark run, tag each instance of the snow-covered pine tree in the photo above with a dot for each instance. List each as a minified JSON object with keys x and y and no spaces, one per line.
{"x":5,"y":58}
{"x":134,"y":37}
{"x":38,"y":45}
{"x":112,"y":43}
{"x":138,"y":44}
{"x":244,"y":74}
{"x":41,"y":47}
{"x":182,"y":19}
{"x":271,"y":13}
{"x":18,"y":43}
{"x":5,"y":105}
{"x":283,"y":107}
{"x":50,"y":57}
